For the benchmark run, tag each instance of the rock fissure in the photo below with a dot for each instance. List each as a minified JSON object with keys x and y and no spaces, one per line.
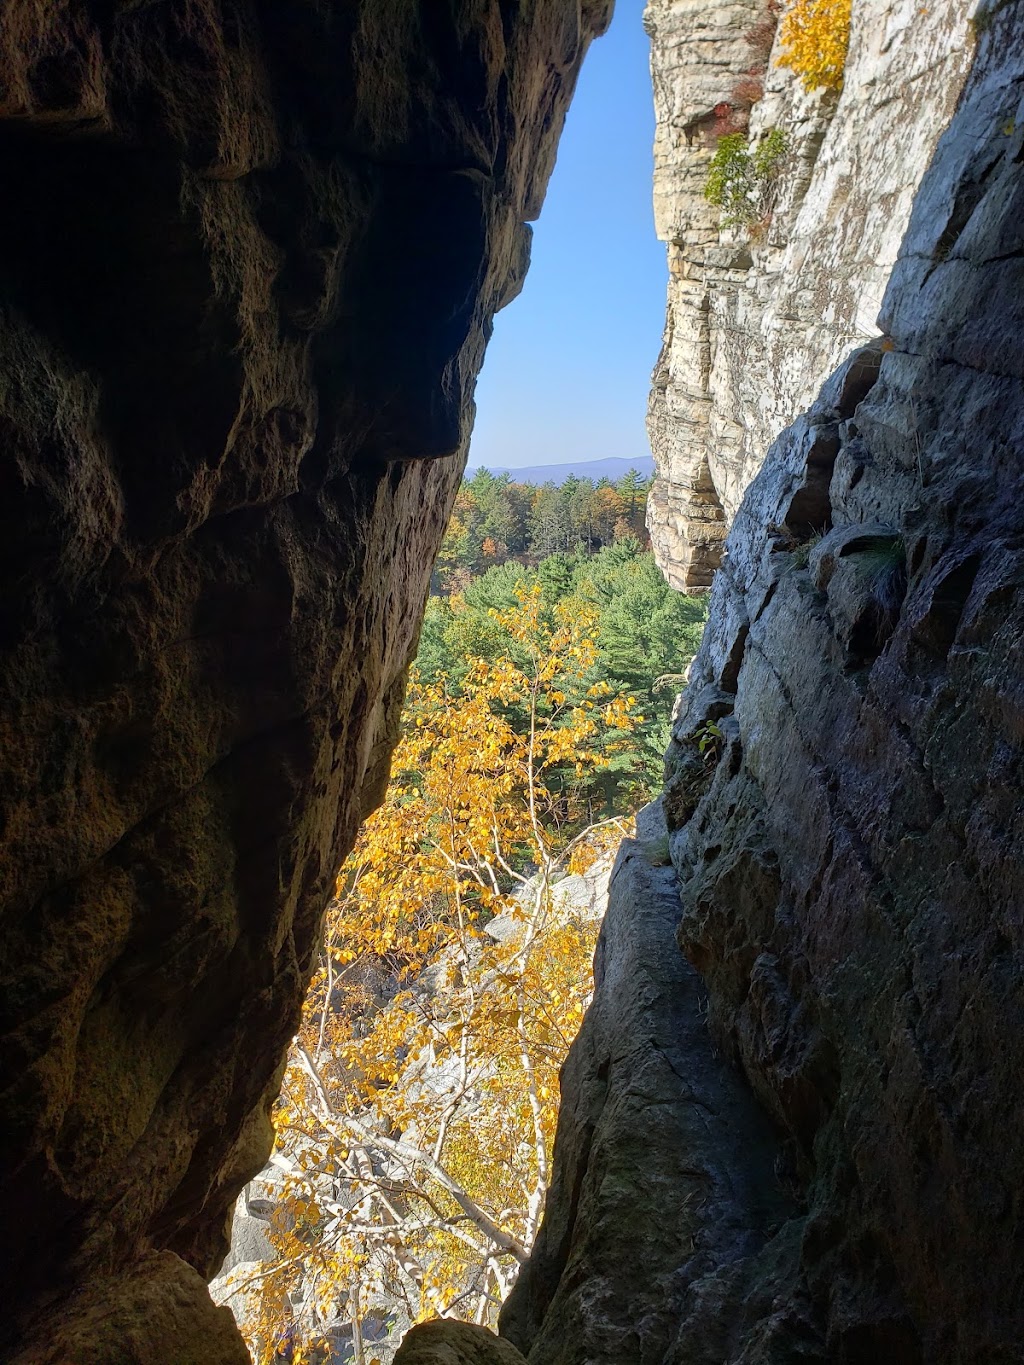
{"x":244,"y":304}
{"x":847,"y":870}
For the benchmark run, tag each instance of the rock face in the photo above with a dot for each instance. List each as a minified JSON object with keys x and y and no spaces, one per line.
{"x":848,"y":852}
{"x":664,"y":1192}
{"x":757,"y":318}
{"x":246,"y":291}
{"x":455,"y":1343}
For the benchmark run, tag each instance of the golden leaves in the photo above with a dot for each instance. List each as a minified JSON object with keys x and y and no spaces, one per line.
{"x":420,"y":1101}
{"x":814,"y":37}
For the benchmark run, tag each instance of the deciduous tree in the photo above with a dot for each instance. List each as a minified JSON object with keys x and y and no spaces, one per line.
{"x":419,"y":1104}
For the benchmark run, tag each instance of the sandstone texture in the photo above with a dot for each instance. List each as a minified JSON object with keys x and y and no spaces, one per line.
{"x":445,"y":1342}
{"x":247,"y":277}
{"x":848,"y":851}
{"x":757,"y":318}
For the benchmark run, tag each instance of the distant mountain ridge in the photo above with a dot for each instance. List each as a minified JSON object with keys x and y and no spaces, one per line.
{"x":611,"y":468}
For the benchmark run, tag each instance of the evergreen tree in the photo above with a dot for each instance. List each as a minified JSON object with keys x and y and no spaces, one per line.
{"x":549,"y":531}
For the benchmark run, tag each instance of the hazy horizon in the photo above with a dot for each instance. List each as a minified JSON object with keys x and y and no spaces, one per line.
{"x":568,"y":369}
{"x":612,"y":466}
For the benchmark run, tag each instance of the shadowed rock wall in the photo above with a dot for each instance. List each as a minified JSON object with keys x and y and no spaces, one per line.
{"x":849,"y":866}
{"x":247,"y":272}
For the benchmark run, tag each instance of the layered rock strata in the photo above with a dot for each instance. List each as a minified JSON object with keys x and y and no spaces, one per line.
{"x":663,"y":1162}
{"x":759,"y":314}
{"x":845,"y":806}
{"x":247,"y":279}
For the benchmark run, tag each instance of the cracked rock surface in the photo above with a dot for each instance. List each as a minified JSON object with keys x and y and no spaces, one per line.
{"x":848,"y":856}
{"x":757,"y":318}
{"x":663,"y":1194}
{"x":246,"y":283}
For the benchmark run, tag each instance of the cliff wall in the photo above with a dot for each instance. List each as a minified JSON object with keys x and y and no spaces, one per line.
{"x":245,"y":294}
{"x":247,"y":275}
{"x":757,"y":316}
{"x":843,"y":809}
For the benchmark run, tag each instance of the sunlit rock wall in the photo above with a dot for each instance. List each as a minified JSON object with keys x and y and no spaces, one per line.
{"x":844,"y":809}
{"x":247,"y":272}
{"x":757,"y":319}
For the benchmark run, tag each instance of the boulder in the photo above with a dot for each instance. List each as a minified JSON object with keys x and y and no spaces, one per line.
{"x":446,"y":1342}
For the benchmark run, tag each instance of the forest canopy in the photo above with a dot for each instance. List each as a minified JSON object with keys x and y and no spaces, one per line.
{"x":495,"y":518}
{"x":645,"y":635}
{"x":417,"y":1115}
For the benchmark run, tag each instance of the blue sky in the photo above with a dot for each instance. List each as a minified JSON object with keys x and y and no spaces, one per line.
{"x":569,"y":366}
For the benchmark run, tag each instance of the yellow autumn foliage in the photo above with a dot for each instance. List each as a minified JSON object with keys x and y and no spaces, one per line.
{"x":814,"y":37}
{"x":417,"y":1116}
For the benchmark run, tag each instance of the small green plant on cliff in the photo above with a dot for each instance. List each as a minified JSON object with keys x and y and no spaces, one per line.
{"x":882,"y":568}
{"x":802,"y":553}
{"x":815,"y":36}
{"x":743,"y":180}
{"x":709,"y":739}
